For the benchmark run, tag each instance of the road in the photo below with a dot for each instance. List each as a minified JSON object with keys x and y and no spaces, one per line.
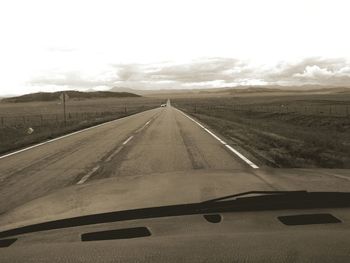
{"x":159,"y":141}
{"x":155,"y":141}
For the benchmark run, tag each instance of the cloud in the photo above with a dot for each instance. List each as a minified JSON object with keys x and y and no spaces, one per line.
{"x":74,"y":79}
{"x":223,"y":72}
{"x":208,"y":72}
{"x":314,"y":72}
{"x":211,"y":69}
{"x":204,"y":73}
{"x":319,"y":71}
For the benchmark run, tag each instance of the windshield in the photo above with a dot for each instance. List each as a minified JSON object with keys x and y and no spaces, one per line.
{"x":112,"y":106}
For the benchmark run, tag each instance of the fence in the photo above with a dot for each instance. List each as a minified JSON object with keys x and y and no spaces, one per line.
{"x":19,"y":131}
{"x":57,"y":119}
{"x":319,"y":110}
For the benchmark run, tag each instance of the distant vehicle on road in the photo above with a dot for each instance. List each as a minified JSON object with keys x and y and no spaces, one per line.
{"x":163,"y":105}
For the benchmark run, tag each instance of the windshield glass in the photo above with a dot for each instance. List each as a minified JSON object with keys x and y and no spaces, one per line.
{"x":112,"y":106}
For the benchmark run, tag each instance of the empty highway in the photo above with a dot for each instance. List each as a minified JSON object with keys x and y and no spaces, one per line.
{"x":155,"y":141}
{"x":162,"y":141}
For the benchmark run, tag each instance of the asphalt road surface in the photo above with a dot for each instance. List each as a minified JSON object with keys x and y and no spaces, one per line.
{"x":162,"y":140}
{"x":154,"y":141}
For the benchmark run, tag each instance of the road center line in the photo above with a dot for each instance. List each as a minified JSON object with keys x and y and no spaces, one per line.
{"x":114,"y":153}
{"x":83,"y":180}
{"x":144,"y":126}
{"x":128,"y":139}
{"x":250,"y":163}
{"x":66,"y":135}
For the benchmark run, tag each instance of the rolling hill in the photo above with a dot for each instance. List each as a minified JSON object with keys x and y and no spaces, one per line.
{"x":72,"y":94}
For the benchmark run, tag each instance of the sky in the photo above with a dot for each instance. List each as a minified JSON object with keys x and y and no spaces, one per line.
{"x":161,"y":44}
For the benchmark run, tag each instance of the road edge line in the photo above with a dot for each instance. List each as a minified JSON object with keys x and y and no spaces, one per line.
{"x":229,"y":147}
{"x":66,"y":135}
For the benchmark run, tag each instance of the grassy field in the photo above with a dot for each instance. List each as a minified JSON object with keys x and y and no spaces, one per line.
{"x":47,"y":119}
{"x":280,"y":131}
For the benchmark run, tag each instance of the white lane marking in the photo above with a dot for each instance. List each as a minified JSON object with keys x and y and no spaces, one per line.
{"x":241,"y":156}
{"x":64,"y":136}
{"x":200,"y":125}
{"x":144,"y":126}
{"x":250,"y":163}
{"x":113,"y":154}
{"x":216,"y":137}
{"x":83,"y":180}
{"x":127,"y":140}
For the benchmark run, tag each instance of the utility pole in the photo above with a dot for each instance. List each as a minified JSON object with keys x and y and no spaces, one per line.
{"x":64,"y":109}
{"x":63,"y":98}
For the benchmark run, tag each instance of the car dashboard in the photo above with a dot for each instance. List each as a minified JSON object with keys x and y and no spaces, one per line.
{"x":310,"y":235}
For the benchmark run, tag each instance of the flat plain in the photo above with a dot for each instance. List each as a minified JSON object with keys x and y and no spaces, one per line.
{"x":286,"y":130}
{"x":25,"y":123}
{"x":276,"y":129}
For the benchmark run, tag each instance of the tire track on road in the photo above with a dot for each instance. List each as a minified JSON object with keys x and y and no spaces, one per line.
{"x":107,"y":167}
{"x":197,"y":159}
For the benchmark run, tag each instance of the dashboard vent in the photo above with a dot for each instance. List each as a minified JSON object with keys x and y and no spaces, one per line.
{"x":214,"y":218}
{"x":7,"y":242}
{"x":116,"y":234}
{"x":308,"y":219}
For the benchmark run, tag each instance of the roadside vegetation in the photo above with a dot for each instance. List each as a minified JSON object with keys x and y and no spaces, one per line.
{"x":52,"y":96}
{"x":280,"y":131}
{"x":26,"y":123}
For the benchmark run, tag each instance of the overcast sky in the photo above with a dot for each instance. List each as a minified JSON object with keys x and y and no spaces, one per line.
{"x":56,"y":45}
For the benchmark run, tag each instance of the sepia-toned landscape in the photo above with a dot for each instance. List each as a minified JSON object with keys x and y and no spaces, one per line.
{"x":175,"y":131}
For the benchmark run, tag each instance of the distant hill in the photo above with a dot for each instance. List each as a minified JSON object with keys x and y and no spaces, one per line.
{"x":264,"y":89}
{"x":313,"y":89}
{"x":129,"y":90}
{"x":72,"y":94}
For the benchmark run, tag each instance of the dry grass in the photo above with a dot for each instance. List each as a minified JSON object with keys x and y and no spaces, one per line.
{"x":46,"y":118}
{"x":75,"y":106}
{"x":279,"y":137}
